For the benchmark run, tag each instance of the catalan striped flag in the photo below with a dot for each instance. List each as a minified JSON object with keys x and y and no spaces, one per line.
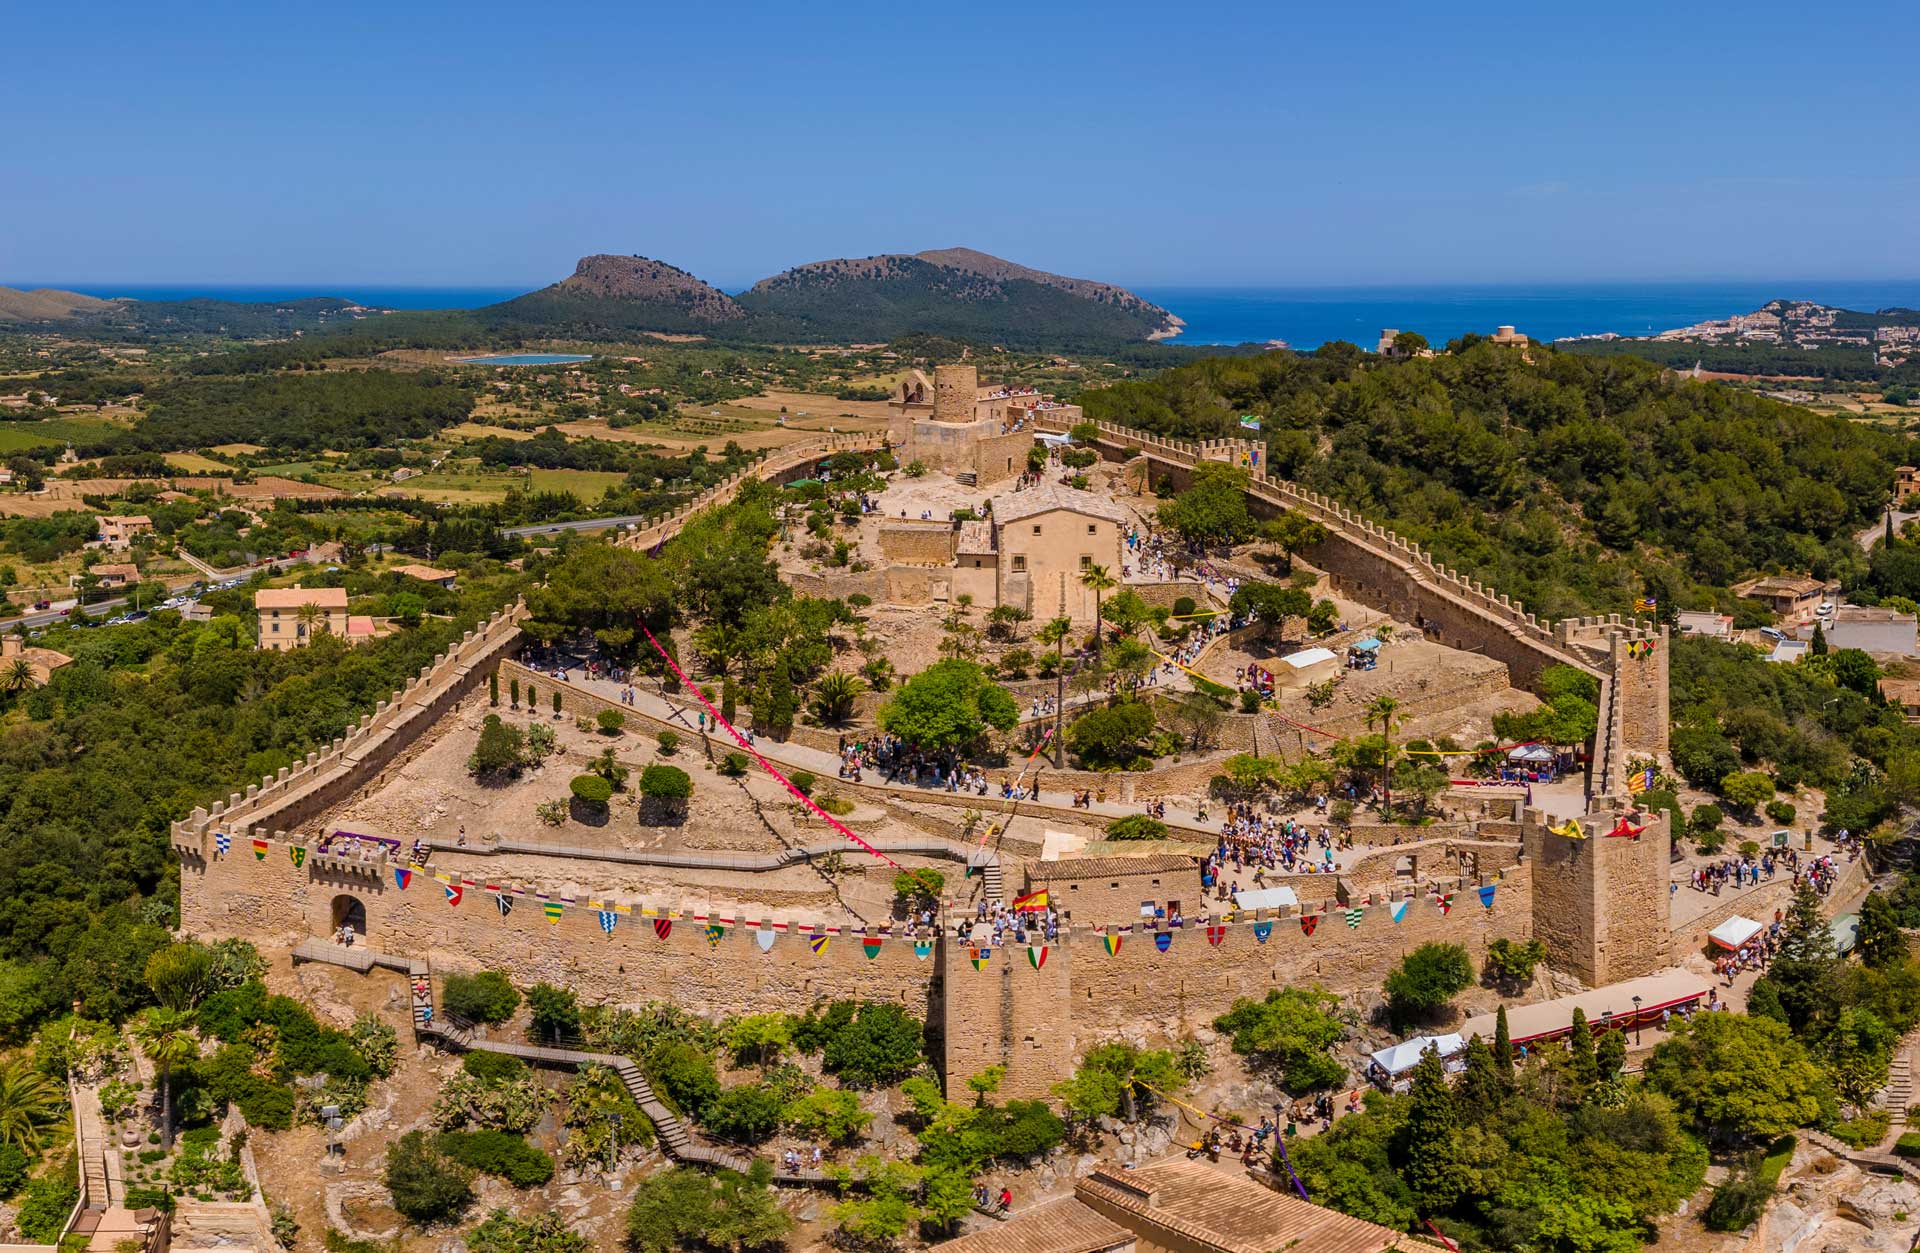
{"x":1639,"y":781}
{"x":1646,"y":604}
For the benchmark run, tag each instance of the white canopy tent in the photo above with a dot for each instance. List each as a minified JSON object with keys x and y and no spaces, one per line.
{"x":1735,"y":932}
{"x":1531,"y":752}
{"x":1399,"y":1058}
{"x":1266,"y":898}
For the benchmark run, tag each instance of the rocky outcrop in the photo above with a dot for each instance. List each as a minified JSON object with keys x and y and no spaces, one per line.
{"x":605,"y":276}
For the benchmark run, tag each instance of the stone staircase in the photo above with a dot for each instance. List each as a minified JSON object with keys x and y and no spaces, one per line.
{"x":966,"y":478}
{"x":1898,"y":1094}
{"x":993,"y":881}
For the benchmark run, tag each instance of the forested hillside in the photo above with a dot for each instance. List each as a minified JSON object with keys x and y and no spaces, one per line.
{"x":1575,"y":483}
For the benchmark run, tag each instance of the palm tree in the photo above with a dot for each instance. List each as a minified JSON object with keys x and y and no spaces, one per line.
{"x":834,"y":696}
{"x":1057,"y":629}
{"x":19,"y":676}
{"x":308,"y":616}
{"x":1382,"y":710}
{"x":719,"y":645}
{"x":1096,"y":577}
{"x":166,"y":1036}
{"x":29,"y":1101}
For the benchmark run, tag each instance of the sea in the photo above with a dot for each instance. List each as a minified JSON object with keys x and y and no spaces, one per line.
{"x":1303,"y":317}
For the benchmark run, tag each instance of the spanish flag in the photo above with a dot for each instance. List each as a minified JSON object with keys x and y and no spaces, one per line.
{"x":1032,"y":900}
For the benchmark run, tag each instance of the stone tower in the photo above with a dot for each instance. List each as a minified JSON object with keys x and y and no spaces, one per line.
{"x":1006,"y":1013}
{"x":1600,"y":903}
{"x":956,"y":390}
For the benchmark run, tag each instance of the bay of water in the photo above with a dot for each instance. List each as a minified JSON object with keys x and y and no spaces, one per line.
{"x":1308,"y":317}
{"x":1304,"y":317}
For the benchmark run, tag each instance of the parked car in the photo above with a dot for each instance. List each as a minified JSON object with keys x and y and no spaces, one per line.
{"x":43,"y":604}
{"x":1772,"y":634}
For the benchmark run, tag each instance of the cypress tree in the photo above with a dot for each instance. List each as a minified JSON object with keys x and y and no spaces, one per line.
{"x":729,"y":696}
{"x":556,"y":702}
{"x":1819,"y":645}
{"x":1429,"y":1141}
{"x":1502,"y":1046}
{"x":1611,"y":1054}
{"x":513,"y":692}
{"x":493,"y":689}
{"x":1481,"y":1086}
{"x":1580,"y":1051}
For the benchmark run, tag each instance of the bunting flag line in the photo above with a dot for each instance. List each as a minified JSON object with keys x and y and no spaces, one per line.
{"x":402,"y":877}
{"x":921,"y":948}
{"x":870,"y":945}
{"x":454,"y":891}
{"x":1354,"y":916}
{"x":1639,"y":781}
{"x":765,"y":765}
{"x":505,"y":903}
{"x":1032,"y":900}
{"x":608,"y":920}
{"x":818,"y":943}
{"x":1308,"y":922}
{"x":222,"y":841}
{"x":298,"y":854}
{"x":979,"y":957}
{"x":1215,"y":934}
{"x":1261,"y":930}
{"x":259,"y":850}
{"x":1626,"y":829}
{"x":1163,"y":940}
{"x":715,"y":933}
{"x":662,"y":928}
{"x":553,"y":910}
{"x":1111,"y":942}
{"x":1036,"y":955}
{"x":1486,"y":895}
{"x":1398,"y":909}
{"x":764,"y":938}
{"x":1571,"y":828}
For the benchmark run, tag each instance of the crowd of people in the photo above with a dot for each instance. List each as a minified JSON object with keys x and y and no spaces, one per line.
{"x":995,"y":921}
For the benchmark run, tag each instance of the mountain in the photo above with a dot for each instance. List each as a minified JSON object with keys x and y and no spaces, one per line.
{"x":608,"y":293}
{"x":952,"y":291}
{"x":47,"y":304}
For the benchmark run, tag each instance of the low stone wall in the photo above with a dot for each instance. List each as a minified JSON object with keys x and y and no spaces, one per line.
{"x":1759,"y":904}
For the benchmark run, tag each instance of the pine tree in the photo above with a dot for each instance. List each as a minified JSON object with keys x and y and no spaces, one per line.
{"x":1804,"y":963}
{"x":1880,"y":942}
{"x":1428,"y":1143}
{"x":1611,"y":1054}
{"x":1580,"y":1052}
{"x":1503,"y":1046}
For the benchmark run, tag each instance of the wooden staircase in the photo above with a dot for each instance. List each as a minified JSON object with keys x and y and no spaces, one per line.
{"x":676,"y":1139}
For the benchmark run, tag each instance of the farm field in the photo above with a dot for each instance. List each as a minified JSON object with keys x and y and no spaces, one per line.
{"x":194,"y":463}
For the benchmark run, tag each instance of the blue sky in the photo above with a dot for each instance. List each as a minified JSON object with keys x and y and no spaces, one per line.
{"x":1168,"y":144}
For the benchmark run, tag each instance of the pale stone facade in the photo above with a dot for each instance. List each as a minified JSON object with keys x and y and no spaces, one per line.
{"x":284,"y":612}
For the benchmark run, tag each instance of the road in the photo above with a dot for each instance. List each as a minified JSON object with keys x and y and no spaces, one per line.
{"x":99,"y":608}
{"x":1873,"y":534}
{"x":585,"y":524}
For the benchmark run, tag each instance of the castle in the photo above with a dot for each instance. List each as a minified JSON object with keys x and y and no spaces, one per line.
{"x":980,"y":435}
{"x":1598,"y":900}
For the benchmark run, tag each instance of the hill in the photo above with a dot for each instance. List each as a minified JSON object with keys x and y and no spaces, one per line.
{"x":1577,"y":483}
{"x":608,"y":293}
{"x":47,"y":304}
{"x":951,"y":291}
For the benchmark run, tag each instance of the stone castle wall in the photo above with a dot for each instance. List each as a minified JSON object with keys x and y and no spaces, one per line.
{"x":956,"y":389}
{"x":918,"y":543}
{"x":997,"y":458}
{"x":1601,"y":904}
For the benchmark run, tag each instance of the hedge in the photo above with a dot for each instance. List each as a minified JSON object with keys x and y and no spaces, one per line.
{"x":591,"y":789}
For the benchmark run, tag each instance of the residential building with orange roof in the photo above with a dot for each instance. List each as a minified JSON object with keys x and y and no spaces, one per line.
{"x":291,"y":616}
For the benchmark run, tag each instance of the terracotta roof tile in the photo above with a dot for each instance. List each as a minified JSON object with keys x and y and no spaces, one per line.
{"x":1062,"y":1226}
{"x":1013,"y":506}
{"x":1232,"y":1214}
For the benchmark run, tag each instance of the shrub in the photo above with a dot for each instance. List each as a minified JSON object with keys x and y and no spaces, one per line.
{"x":923,"y":884}
{"x":669,"y":742}
{"x":1249,"y":701}
{"x":592,"y":790}
{"x":499,"y":1153}
{"x":1780,"y":812}
{"x":49,"y":1199}
{"x":1136,"y":827}
{"x":684,"y":1077}
{"x":485,"y":997}
{"x":500,"y":750}
{"x":804,"y":780}
{"x":493,"y":1067}
{"x":610,"y":721}
{"x":749,"y":1114}
{"x":733,"y":765}
{"x":14,"y":1166}
{"x":1908,"y":1145}
{"x":838,"y":806}
{"x":503,"y":1232}
{"x":1706,"y":818}
{"x":426,"y":1185}
{"x":830,"y":1113}
{"x":1183,"y":607}
{"x":881,"y":1046}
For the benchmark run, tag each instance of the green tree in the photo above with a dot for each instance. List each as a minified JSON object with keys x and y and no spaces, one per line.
{"x":1510,"y":963}
{"x":30,"y":1102}
{"x":760,"y":1039}
{"x":832,"y":1114}
{"x":1426,"y":980}
{"x":949,"y":705}
{"x":1213,"y":508}
{"x":554,"y":1012}
{"x":1111,"y":735}
{"x":1880,"y":942}
{"x":1382,"y":710}
{"x":1271,"y":605}
{"x":181,"y":975}
{"x":683,"y":1208}
{"x":485,"y":997}
{"x":1428,"y":1146}
{"x":1118,"y":1080}
{"x":748,"y":1114}
{"x":834,"y":697}
{"x":1292,"y":533}
{"x":1581,"y":1064}
{"x":1801,"y":972}
{"x":1293,"y":1030}
{"x":1502,"y":1044}
{"x":425,"y":1184}
{"x":880,"y":1046}
{"x":1738,"y":1076}
{"x":503,"y":1232}
{"x":1099,"y":580}
{"x":1610,"y":1054}
{"x":1747,"y":790}
{"x":500,"y":750}
{"x":167,"y":1037}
